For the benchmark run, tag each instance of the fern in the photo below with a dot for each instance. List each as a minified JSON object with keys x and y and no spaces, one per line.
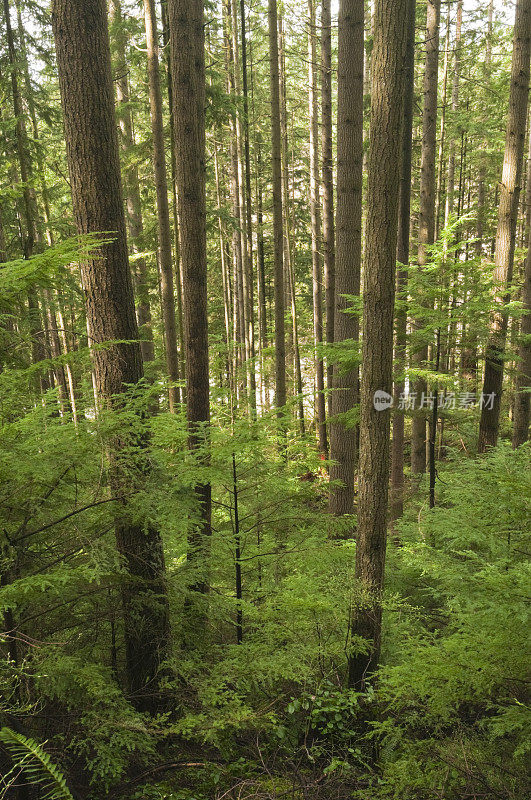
{"x":36,"y":765}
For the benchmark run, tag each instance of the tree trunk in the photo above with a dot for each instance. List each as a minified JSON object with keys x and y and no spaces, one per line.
{"x":328,"y":183}
{"x":315,"y":215}
{"x":402,"y":257}
{"x":522,"y":394}
{"x":343,"y":438}
{"x":163,"y":211}
{"x":378,"y":303}
{"x":506,"y":229}
{"x":276,"y":158}
{"x":450,"y":188}
{"x":135,"y":227}
{"x":426,"y":212}
{"x":29,"y":208}
{"x":85,"y":80}
{"x":188,"y":74}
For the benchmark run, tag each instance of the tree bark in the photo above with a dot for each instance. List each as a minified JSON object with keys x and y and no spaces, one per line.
{"x":426,"y":212}
{"x":186,"y":21}
{"x":522,"y":395}
{"x":343,"y":438}
{"x":163,"y":211}
{"x":276,"y":158}
{"x":315,"y":216}
{"x":85,"y":80}
{"x":402,"y":257}
{"x":378,"y":303}
{"x":328,"y":183}
{"x":506,"y":229}
{"x":135,"y":226}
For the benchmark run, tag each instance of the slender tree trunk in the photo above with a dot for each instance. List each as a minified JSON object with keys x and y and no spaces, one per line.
{"x":343,"y":438}
{"x":506,"y":230}
{"x":276,"y":158}
{"x":378,"y":305}
{"x":402,"y":257}
{"x":85,"y":80}
{"x":440,"y":160}
{"x":248,"y":213}
{"x":328,"y":183}
{"x":135,"y":227}
{"x":455,"y":105}
{"x":29,"y":209}
{"x":426,"y":212}
{"x":315,"y":215}
{"x":522,"y":395}
{"x":163,"y":211}
{"x":175,"y":214}
{"x":186,"y":19}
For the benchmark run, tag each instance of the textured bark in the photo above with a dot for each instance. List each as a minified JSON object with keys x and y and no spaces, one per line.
{"x":84,"y":66}
{"x":507,"y":217}
{"x":315,"y":215}
{"x":29,"y":209}
{"x":276,"y":158}
{"x":163,"y":211}
{"x":329,"y":252}
{"x":442,"y":134}
{"x":522,"y":395}
{"x":188,"y":75}
{"x":387,"y":82}
{"x":402,"y":257}
{"x":293,"y":350}
{"x":246,"y":205}
{"x":48,"y":305}
{"x":450,"y":187}
{"x":135,"y":226}
{"x":427,"y":210}
{"x":343,"y":440}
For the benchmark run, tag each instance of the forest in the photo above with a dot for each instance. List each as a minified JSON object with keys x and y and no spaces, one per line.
{"x":265,"y":383}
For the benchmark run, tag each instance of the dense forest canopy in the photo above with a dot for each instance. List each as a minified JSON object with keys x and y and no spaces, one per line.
{"x":265,"y":359}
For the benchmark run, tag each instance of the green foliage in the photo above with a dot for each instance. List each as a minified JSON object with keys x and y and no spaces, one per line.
{"x":36,"y":766}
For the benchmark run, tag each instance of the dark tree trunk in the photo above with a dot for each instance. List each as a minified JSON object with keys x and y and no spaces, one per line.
{"x":343,"y":439}
{"x":522,"y":394}
{"x":85,"y":80}
{"x":328,"y":182}
{"x":426,"y":212}
{"x":187,"y":43}
{"x":133,"y":205}
{"x":276,"y":158}
{"x":402,"y":257}
{"x":506,"y":231}
{"x":163,"y":211}
{"x":387,"y":81}
{"x":315,"y":214}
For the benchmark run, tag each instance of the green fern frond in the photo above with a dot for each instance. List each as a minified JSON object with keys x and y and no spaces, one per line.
{"x":36,"y":765}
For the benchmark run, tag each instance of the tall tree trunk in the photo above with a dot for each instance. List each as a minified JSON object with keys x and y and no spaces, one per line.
{"x":246,"y":183}
{"x":402,"y":257}
{"x":506,"y":229}
{"x":186,"y":19}
{"x":85,"y":80}
{"x":450,"y":188}
{"x":135,"y":227}
{"x":29,"y":209}
{"x":315,"y":215}
{"x":343,"y":438}
{"x":378,"y":305}
{"x":522,"y":395}
{"x":328,"y":183}
{"x":163,"y":211}
{"x":276,"y":158}
{"x":427,"y":211}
